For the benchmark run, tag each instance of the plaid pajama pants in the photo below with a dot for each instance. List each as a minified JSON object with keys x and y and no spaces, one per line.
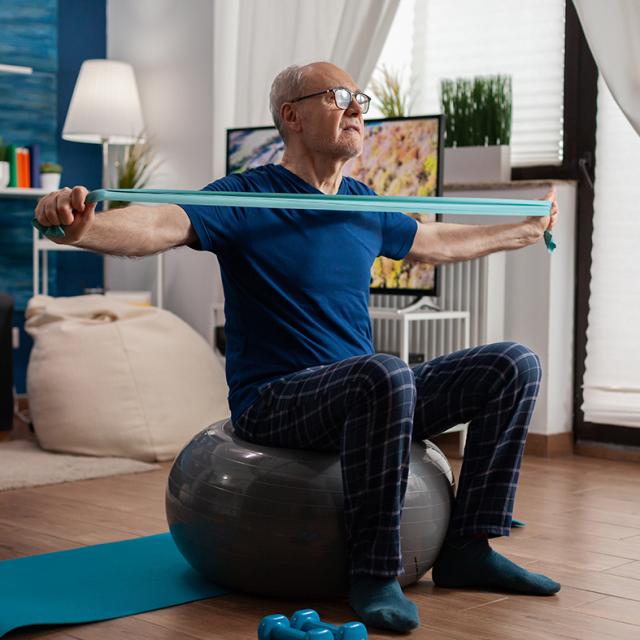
{"x":370,"y":407}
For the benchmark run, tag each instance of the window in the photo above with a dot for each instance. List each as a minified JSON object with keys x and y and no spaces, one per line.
{"x":435,"y":39}
{"x":612,"y":375}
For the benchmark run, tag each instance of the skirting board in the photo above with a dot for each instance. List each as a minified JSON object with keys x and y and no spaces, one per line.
{"x":549,"y":446}
{"x":607,"y":451}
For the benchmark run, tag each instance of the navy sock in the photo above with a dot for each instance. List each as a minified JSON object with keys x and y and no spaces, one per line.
{"x":380,"y":603}
{"x":468,"y":562}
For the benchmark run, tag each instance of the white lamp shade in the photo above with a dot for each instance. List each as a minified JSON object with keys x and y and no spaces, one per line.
{"x":105,"y":105}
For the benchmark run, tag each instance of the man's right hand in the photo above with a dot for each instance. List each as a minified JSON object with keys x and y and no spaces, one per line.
{"x":67,"y":207}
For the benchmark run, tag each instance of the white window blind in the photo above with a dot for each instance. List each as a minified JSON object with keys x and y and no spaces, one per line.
{"x":612,"y":376}
{"x":465,"y":38}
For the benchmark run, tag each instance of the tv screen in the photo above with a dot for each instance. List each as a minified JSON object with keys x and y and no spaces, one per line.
{"x":401,"y":156}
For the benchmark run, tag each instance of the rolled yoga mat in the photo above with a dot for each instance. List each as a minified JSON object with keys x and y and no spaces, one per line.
{"x":403,"y":204}
{"x":98,"y":582}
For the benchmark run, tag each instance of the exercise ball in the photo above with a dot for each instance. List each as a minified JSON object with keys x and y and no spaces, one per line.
{"x":270,"y":521}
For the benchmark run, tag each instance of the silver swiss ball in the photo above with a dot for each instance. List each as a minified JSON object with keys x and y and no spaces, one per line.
{"x":269,"y":521}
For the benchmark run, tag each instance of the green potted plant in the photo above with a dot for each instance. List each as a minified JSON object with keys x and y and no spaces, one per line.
{"x":390,"y":98}
{"x":135,"y":168}
{"x":477,"y":128}
{"x":50,"y":173}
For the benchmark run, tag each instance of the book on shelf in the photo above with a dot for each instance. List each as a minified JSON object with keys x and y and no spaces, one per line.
{"x":24,"y":170}
{"x":24,"y":166}
{"x":34,"y":165}
{"x":13,"y":164}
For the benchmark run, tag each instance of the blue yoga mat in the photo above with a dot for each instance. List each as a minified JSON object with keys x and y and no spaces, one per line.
{"x":98,"y":582}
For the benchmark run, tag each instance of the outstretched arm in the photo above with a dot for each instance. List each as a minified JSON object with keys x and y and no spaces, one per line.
{"x":442,"y":242}
{"x":132,"y":231}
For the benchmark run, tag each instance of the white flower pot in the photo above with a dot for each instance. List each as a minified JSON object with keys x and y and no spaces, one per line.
{"x":4,"y":174}
{"x":50,"y":181}
{"x":477,"y":164}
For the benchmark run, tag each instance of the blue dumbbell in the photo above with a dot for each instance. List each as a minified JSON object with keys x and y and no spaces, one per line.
{"x":308,"y":619}
{"x":277,"y":627}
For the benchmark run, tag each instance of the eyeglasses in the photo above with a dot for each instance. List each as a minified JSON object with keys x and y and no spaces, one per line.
{"x":342,"y":97}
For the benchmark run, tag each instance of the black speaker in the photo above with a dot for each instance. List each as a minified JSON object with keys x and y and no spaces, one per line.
{"x":6,"y":363}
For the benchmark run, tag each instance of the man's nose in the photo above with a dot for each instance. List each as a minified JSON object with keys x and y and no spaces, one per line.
{"x":355,"y":107}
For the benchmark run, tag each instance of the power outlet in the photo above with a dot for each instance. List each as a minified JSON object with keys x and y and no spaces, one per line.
{"x":15,"y":337}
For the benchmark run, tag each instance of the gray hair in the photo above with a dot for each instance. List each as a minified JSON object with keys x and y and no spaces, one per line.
{"x":288,"y":84}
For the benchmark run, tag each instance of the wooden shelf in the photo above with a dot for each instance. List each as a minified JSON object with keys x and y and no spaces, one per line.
{"x":14,"y":68}
{"x":15,"y":192}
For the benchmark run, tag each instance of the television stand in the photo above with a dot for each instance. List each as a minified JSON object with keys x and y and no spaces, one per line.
{"x":422,"y":303}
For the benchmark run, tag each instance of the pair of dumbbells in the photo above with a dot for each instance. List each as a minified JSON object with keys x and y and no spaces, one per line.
{"x":306,"y":625}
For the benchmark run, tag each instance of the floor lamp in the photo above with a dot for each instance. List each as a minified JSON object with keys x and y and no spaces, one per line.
{"x":105,"y":109}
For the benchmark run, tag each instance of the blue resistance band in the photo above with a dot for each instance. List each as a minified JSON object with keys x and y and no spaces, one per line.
{"x":402,"y":204}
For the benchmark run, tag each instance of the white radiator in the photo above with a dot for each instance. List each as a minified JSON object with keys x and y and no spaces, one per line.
{"x":476,"y":286}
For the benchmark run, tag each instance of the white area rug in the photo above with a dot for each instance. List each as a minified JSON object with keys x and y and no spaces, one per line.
{"x":24,"y":464}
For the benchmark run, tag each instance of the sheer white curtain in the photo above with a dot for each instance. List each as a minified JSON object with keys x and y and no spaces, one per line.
{"x":612,"y":30}
{"x":612,"y":367}
{"x":255,"y":39}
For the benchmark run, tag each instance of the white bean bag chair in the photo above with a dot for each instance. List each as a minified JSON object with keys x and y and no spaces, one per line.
{"x":107,"y":378}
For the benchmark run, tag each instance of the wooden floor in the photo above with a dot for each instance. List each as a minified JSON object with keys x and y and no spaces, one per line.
{"x":583,"y":529}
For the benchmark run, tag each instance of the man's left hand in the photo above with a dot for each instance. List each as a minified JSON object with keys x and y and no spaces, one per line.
{"x":540,"y":224}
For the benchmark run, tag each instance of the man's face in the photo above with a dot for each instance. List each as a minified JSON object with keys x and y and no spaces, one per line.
{"x":325,"y":128}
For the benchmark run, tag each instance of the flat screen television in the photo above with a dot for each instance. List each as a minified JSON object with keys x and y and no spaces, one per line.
{"x":401,"y":156}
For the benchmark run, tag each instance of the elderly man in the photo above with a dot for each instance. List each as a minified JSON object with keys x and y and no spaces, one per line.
{"x":301,"y":366}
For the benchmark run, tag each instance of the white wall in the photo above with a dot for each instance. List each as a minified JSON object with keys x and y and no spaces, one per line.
{"x":170,"y":46}
{"x":540,"y":294}
{"x":538,"y":308}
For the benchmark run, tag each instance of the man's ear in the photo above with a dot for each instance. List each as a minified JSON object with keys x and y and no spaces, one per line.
{"x":290,"y":117}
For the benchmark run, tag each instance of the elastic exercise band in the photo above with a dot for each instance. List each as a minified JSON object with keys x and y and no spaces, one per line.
{"x":402,"y":204}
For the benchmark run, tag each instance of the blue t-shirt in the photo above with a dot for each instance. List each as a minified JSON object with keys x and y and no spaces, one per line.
{"x":296,"y":282}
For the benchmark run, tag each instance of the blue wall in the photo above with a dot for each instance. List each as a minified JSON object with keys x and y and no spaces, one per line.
{"x":28,"y":36}
{"x":82,"y":28}
{"x":53,"y":37}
